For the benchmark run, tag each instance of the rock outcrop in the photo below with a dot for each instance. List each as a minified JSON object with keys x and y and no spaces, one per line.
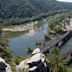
{"x":4,"y":67}
{"x":36,"y":63}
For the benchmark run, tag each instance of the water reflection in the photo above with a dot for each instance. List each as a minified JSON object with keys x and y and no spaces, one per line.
{"x":31,"y":33}
{"x":19,"y":44}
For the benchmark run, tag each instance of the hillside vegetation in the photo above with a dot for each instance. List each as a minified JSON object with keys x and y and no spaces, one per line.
{"x":29,"y":8}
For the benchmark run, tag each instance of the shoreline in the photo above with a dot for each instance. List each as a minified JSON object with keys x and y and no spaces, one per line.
{"x":19,"y":28}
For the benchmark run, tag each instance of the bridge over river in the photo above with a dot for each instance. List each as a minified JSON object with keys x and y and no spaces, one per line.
{"x":58,"y":42}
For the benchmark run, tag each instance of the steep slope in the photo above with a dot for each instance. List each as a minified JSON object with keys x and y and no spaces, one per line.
{"x":29,"y":8}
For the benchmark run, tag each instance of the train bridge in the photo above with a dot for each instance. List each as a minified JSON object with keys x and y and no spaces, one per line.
{"x":57,"y":42}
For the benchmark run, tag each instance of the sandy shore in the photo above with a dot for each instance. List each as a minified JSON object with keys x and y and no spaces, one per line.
{"x":25,"y":27}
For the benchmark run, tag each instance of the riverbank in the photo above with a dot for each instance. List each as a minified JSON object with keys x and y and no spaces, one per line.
{"x":25,"y":27}
{"x":20,"y":41}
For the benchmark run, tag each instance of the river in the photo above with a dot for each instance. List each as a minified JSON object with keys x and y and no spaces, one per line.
{"x":20,"y":43}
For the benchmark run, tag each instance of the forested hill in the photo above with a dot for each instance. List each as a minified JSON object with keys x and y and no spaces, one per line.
{"x":29,"y":8}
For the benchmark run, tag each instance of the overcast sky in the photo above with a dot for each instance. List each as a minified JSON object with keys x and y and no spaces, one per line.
{"x":65,"y":0}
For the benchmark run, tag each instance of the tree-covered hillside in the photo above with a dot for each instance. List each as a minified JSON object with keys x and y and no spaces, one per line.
{"x":29,"y":8}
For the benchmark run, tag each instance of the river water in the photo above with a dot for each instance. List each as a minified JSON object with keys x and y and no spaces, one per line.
{"x":19,"y":44}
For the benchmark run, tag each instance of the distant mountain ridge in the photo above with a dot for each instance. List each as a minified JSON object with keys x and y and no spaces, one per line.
{"x":29,"y":8}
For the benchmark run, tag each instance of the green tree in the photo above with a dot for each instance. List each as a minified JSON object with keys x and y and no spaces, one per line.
{"x":56,"y":64}
{"x":5,"y":52}
{"x":29,"y":50}
{"x":18,"y":59}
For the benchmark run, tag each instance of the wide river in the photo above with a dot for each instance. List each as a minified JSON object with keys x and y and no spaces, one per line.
{"x":20,"y":43}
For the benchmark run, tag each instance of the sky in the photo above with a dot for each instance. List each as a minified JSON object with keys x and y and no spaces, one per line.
{"x":65,"y":0}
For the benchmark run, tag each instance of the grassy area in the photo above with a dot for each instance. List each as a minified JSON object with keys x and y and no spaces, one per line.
{"x":69,"y":69}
